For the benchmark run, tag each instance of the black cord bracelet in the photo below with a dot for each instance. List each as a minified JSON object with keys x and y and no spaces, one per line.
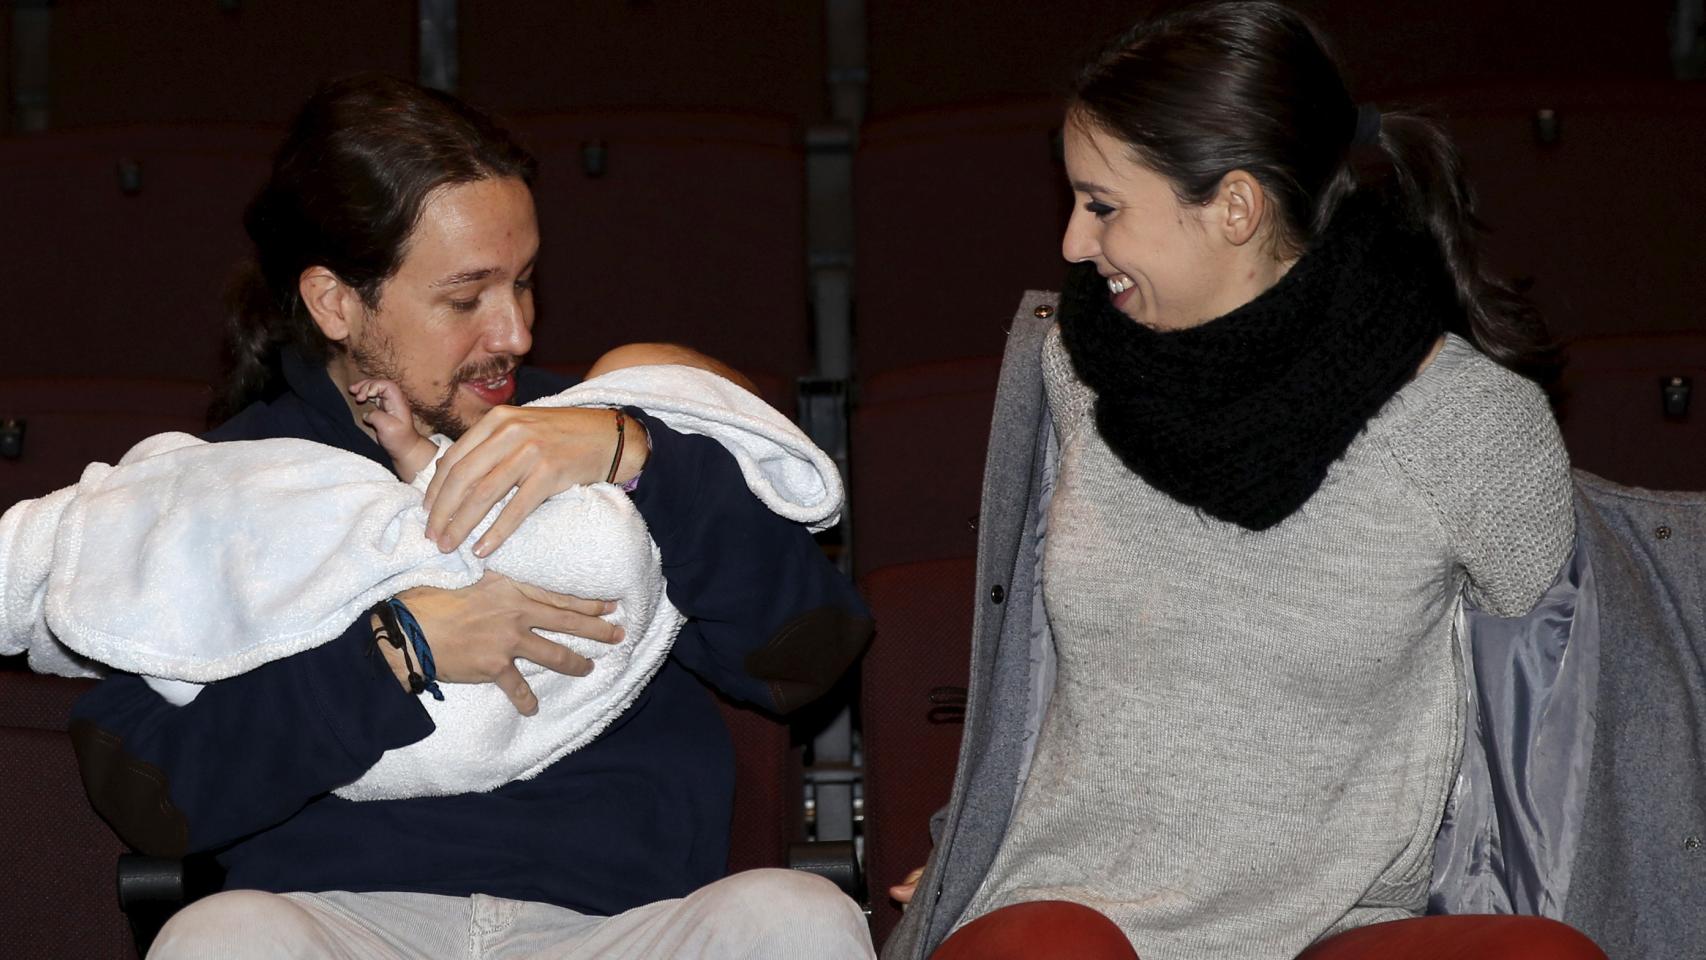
{"x":392,"y":632}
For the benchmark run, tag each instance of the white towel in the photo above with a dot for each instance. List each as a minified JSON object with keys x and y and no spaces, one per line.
{"x":191,"y":562}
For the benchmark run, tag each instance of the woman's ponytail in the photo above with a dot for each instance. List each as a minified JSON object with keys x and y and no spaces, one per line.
{"x":1250,"y":85}
{"x":1501,"y":321}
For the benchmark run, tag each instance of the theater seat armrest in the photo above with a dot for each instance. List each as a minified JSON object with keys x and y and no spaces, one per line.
{"x":834,"y":860}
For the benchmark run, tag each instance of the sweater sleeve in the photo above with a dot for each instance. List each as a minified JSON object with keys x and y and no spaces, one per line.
{"x":1489,"y":459}
{"x":771,"y":621}
{"x":247,"y":752}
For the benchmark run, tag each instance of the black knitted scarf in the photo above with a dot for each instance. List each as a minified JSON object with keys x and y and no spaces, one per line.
{"x":1242,"y":416}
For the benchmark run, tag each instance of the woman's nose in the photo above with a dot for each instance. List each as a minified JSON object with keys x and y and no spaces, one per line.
{"x":1079,"y":242}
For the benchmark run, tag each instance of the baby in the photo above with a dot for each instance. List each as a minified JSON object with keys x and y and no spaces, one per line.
{"x":188,"y":562}
{"x":393,"y":423}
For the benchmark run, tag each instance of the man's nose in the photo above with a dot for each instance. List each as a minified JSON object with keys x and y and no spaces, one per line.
{"x":511,"y":329}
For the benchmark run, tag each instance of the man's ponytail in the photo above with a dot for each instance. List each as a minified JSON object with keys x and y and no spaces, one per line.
{"x":346,"y":189}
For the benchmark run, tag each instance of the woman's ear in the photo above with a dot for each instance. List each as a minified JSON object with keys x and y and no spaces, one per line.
{"x":1243,"y":205}
{"x":334,"y":305}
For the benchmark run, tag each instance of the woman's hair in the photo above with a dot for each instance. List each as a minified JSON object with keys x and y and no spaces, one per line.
{"x":1223,"y":86}
{"x":346,"y":189}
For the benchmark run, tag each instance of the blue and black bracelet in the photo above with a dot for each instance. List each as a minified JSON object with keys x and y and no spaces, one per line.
{"x":404,"y":633}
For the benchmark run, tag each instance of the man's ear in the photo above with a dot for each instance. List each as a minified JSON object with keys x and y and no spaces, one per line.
{"x":1243,"y":206}
{"x":334,"y":305}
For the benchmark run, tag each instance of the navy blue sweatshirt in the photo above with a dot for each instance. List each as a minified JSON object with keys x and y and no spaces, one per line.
{"x":640,"y":814}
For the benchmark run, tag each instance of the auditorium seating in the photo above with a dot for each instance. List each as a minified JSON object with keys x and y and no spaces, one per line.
{"x":224,"y":61}
{"x":1584,"y":191}
{"x":949,"y":51}
{"x":716,"y":54}
{"x":912,"y":705}
{"x":637,"y":244}
{"x":50,"y":428}
{"x":959,"y":210}
{"x":118,"y":245}
{"x":58,"y":897}
{"x":918,"y":441}
{"x":1631,"y":408}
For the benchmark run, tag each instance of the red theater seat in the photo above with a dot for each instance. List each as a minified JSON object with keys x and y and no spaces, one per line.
{"x":727,"y":54}
{"x":918,"y":442}
{"x":1632,"y":410}
{"x":912,"y":701}
{"x":59,"y":898}
{"x":688,"y":227}
{"x":949,"y":51}
{"x":57,"y":427}
{"x":959,"y":211}
{"x":153,"y":61}
{"x":1579,"y":187}
{"x":768,"y":810}
{"x":118,"y":244}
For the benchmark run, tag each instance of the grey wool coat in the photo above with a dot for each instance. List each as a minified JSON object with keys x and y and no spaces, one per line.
{"x":1582,"y":789}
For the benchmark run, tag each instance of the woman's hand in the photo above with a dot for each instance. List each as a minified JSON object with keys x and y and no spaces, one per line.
{"x":902,"y":892}
{"x":477,"y":633}
{"x":538,"y":452}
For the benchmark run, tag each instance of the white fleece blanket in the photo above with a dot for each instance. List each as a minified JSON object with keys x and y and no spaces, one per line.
{"x":190,"y":562}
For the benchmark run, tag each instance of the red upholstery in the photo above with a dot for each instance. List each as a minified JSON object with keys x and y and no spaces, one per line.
{"x":69,"y":423}
{"x":60,"y":898}
{"x":1612,"y":410}
{"x":1459,"y":938}
{"x":636,"y":244}
{"x":918,"y":442}
{"x":949,"y":51}
{"x":959,"y":211}
{"x":118,"y":245}
{"x":768,"y":798}
{"x":733,"y":54}
{"x":166,"y":60}
{"x":1044,"y":930}
{"x":1590,"y":218}
{"x":912,"y":704}
{"x":34,"y":701}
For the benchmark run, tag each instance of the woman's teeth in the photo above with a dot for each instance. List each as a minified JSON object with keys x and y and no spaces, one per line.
{"x":1118,"y":285}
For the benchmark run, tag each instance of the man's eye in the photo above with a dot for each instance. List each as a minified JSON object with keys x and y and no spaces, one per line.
{"x":464,"y":306}
{"x":1099,"y":209}
{"x":524,"y":285}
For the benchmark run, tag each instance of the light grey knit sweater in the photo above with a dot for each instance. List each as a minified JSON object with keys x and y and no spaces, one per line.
{"x":1251,"y":736}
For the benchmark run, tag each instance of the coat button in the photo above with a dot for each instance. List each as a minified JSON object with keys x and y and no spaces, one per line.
{"x":1043,"y":312}
{"x":1663,"y":533}
{"x":997,"y":593}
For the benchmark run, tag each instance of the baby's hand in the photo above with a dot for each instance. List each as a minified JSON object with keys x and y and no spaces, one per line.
{"x":394,"y":423}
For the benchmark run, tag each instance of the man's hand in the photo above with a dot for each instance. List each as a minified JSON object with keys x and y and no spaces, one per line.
{"x":476,"y":633}
{"x":537,"y":451}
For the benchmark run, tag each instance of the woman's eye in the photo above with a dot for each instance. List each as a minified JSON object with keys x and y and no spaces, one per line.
{"x":1099,"y":209}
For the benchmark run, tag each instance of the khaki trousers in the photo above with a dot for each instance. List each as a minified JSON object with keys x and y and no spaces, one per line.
{"x":759,"y":914}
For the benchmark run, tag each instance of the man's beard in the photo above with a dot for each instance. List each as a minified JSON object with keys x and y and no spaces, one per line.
{"x":376,"y":356}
